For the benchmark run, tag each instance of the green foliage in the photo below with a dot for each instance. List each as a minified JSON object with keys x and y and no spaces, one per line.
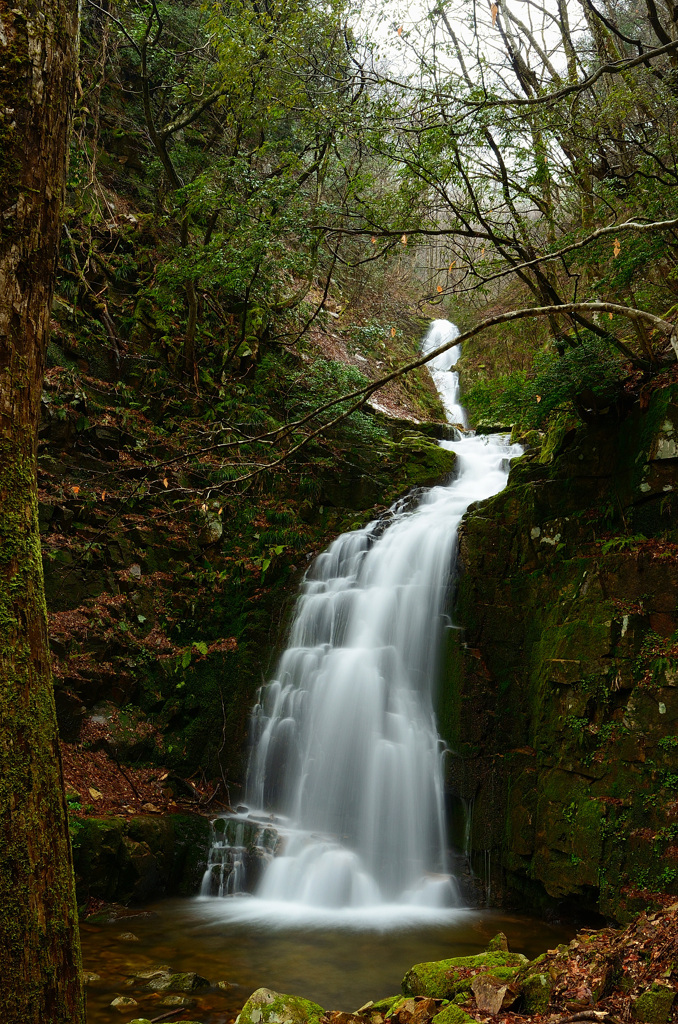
{"x":587,"y":376}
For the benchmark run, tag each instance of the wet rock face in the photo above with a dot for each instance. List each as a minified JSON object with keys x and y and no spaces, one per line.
{"x":560,"y":696}
{"x":139,"y":859}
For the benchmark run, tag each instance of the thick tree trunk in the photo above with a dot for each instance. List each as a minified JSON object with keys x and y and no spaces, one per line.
{"x":39,"y":946}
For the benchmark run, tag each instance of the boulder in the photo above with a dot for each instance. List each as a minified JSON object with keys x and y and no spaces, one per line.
{"x":267,"y":1007}
{"x":444,"y":979}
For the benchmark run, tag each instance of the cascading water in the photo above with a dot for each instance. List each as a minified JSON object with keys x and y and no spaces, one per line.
{"x":345,"y":748}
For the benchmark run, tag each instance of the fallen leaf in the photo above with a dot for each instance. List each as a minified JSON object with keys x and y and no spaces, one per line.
{"x":439,"y":289}
{"x":393,"y":332}
{"x":452,"y":266}
{"x":400,"y":30}
{"x":617,"y":247}
{"x":165,"y":481}
{"x":76,"y":490}
{"x":495,"y":10}
{"x":373,"y":240}
{"x":103,"y":495}
{"x":539,"y":398}
{"x":403,"y":239}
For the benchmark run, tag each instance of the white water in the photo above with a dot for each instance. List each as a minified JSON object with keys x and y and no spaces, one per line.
{"x":346,"y":752}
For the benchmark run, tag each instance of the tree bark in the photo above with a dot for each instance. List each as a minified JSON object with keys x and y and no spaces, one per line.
{"x":39,"y":946}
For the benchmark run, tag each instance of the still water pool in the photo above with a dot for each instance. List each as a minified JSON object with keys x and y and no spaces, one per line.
{"x":340,"y":968}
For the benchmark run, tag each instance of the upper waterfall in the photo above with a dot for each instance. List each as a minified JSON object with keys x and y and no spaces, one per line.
{"x":345,"y":749}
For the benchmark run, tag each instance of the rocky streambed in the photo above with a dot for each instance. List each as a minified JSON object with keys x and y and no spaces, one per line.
{"x":609,"y":975}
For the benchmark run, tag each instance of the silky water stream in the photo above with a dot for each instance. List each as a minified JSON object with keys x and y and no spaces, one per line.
{"x":343,"y":840}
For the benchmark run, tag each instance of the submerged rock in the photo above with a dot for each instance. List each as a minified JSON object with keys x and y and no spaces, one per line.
{"x":267,"y":1007}
{"x":188,"y":981}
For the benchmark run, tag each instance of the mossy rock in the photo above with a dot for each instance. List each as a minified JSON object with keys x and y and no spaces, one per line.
{"x":498,"y":944}
{"x":443,"y":979}
{"x":453,"y":1014}
{"x":267,"y":1007}
{"x":384,"y":1005}
{"x":537,"y":993}
{"x":654,"y":1005}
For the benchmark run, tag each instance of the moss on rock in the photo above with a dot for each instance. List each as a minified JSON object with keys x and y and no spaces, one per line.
{"x":443,"y":979}
{"x":654,"y":1005}
{"x":267,"y":1007}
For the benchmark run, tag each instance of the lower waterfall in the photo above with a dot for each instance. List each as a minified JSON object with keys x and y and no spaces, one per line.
{"x":346,"y":762}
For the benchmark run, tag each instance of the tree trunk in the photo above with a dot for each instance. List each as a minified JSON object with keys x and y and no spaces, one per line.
{"x":39,"y":945}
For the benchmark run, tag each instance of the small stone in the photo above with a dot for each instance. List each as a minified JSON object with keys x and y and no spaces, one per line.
{"x":499,"y":944}
{"x":123,"y":1003}
{"x":128,"y":937}
{"x":176,"y":1001}
{"x":186,"y":982}
{"x":90,"y":978}
{"x":150,"y":808}
{"x":135,"y":571}
{"x":152,"y":972}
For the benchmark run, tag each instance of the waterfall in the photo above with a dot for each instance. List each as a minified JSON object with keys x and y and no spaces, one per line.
{"x":345,"y":752}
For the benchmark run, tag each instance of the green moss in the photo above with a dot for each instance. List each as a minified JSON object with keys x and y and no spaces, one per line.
{"x":267,"y":1007}
{"x":654,"y":1005}
{"x":443,"y":979}
{"x":536,"y":990}
{"x":452,"y":1014}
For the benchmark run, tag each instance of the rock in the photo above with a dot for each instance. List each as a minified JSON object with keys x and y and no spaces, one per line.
{"x":90,"y":978}
{"x":128,"y":937}
{"x":443,"y":979}
{"x":453,"y":1014}
{"x":537,"y":992}
{"x":492,"y":994}
{"x":183,"y":982}
{"x":654,"y":1005}
{"x":267,"y":1007}
{"x":123,"y":1003}
{"x":152,"y":972}
{"x":176,"y":1001}
{"x":499,"y":944}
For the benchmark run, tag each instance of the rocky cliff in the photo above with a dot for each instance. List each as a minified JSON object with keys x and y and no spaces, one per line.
{"x":560,"y":693}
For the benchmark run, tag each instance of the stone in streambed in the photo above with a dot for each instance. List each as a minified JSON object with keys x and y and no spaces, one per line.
{"x":123,"y":1003}
{"x":267,"y":1007}
{"x":444,"y":979}
{"x":186,"y":982}
{"x":177,"y":1001}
